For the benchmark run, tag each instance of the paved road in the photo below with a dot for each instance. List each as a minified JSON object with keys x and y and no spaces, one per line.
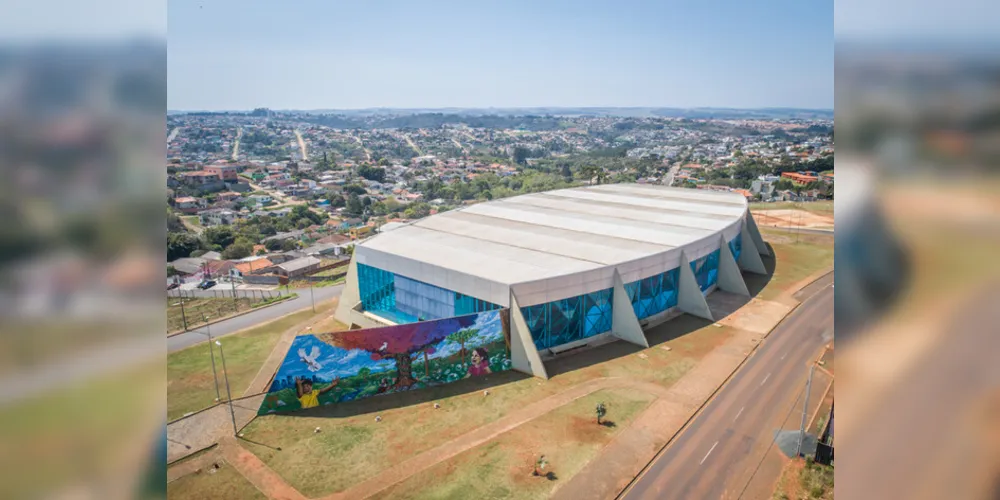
{"x":181,"y":341}
{"x":802,"y":230}
{"x":720,"y":451}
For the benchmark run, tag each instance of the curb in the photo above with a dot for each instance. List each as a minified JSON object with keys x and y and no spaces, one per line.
{"x":248,"y":311}
{"x":715,"y":392}
{"x":178,"y":419}
{"x":185,"y":457}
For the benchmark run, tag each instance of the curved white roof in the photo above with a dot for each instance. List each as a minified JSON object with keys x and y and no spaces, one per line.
{"x":560,"y":242}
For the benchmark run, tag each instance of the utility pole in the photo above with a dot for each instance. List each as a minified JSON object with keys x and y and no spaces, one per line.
{"x":312,"y":297}
{"x":183,"y":316}
{"x":805,"y":410}
{"x":211,"y":351}
{"x":229,"y":394}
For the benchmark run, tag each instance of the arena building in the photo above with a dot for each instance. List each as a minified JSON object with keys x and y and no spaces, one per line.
{"x":574,"y":266}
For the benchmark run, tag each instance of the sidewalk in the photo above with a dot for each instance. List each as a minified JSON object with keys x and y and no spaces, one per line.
{"x":207,"y":427}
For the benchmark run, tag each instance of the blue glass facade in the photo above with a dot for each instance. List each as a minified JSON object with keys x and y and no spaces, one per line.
{"x":562,"y":321}
{"x":465,"y":304}
{"x":654,"y":294}
{"x":706,"y":270}
{"x":377,"y":287}
{"x":423,"y":301}
{"x":405,"y":300}
{"x":735,"y":246}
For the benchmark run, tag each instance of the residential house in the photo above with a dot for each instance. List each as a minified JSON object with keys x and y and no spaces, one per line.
{"x":298,"y":267}
{"x":799,"y":177}
{"x":217,"y":217}
{"x":188,"y":266}
{"x":360,"y":232}
{"x":189,"y":204}
{"x":254,"y":266}
{"x":223,"y":171}
{"x":321,"y":249}
{"x":211,"y":256}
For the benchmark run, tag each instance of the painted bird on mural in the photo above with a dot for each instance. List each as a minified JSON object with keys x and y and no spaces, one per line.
{"x":310,"y":360}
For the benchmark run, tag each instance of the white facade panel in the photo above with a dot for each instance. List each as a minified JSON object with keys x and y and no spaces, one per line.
{"x":550,"y":246}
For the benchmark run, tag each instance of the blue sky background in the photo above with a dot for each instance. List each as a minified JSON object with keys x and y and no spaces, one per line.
{"x":321,"y":54}
{"x":337,"y":362}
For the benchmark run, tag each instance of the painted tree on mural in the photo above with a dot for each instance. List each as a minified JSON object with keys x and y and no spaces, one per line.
{"x":461,"y":337}
{"x":399,"y":343}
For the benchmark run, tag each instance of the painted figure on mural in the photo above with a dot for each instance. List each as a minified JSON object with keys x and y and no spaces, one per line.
{"x":480,"y":363}
{"x":309,"y":397}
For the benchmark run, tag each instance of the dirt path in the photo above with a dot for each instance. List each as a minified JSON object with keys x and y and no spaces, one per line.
{"x":236,"y":143}
{"x":368,"y":152}
{"x":412,"y":145}
{"x":191,"y":227}
{"x":302,"y":145}
{"x":256,"y":472}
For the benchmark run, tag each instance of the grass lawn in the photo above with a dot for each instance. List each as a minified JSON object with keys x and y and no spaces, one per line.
{"x":189,"y":371}
{"x":502,"y":468}
{"x":795,"y":261}
{"x":823,"y":207}
{"x":353,"y":447}
{"x":223,"y":484}
{"x":193,"y":220}
{"x":804,"y":480}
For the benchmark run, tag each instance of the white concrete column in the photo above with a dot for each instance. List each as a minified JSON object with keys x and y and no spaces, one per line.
{"x":624,"y":323}
{"x":523,"y":354}
{"x":755,"y":236}
{"x":730,"y":278}
{"x":750,"y":260}
{"x":351,"y":294}
{"x":689,"y":296}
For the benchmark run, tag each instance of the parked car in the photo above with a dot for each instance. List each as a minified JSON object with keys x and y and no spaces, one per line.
{"x":205,"y":285}
{"x":173,"y":285}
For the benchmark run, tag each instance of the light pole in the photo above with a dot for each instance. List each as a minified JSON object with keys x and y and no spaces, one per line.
{"x":229,"y":394}
{"x":805,"y":411}
{"x":211,"y":351}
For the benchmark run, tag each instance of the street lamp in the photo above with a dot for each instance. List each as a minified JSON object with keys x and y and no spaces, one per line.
{"x":229,"y":394}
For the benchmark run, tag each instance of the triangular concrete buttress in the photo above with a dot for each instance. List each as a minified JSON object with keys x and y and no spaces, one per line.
{"x":730,"y":278}
{"x":750,"y":261}
{"x":689,"y":296}
{"x":624,"y":323}
{"x":523,"y":354}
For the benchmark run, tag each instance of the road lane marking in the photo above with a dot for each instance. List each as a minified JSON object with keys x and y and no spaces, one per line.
{"x":765,"y":379}
{"x":739,"y":413}
{"x":709,"y":453}
{"x":783,"y":355}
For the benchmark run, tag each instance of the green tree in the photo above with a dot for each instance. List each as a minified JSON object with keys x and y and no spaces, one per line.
{"x":222,"y":236}
{"x":181,"y":245}
{"x":601,"y":412}
{"x":240,"y":248}
{"x":354,"y":206}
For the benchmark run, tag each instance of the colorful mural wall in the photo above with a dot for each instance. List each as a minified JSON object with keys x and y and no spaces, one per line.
{"x":327,"y":368}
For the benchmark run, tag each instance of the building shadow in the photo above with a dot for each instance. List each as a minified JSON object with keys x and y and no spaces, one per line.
{"x":722,"y":305}
{"x":414,"y":397}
